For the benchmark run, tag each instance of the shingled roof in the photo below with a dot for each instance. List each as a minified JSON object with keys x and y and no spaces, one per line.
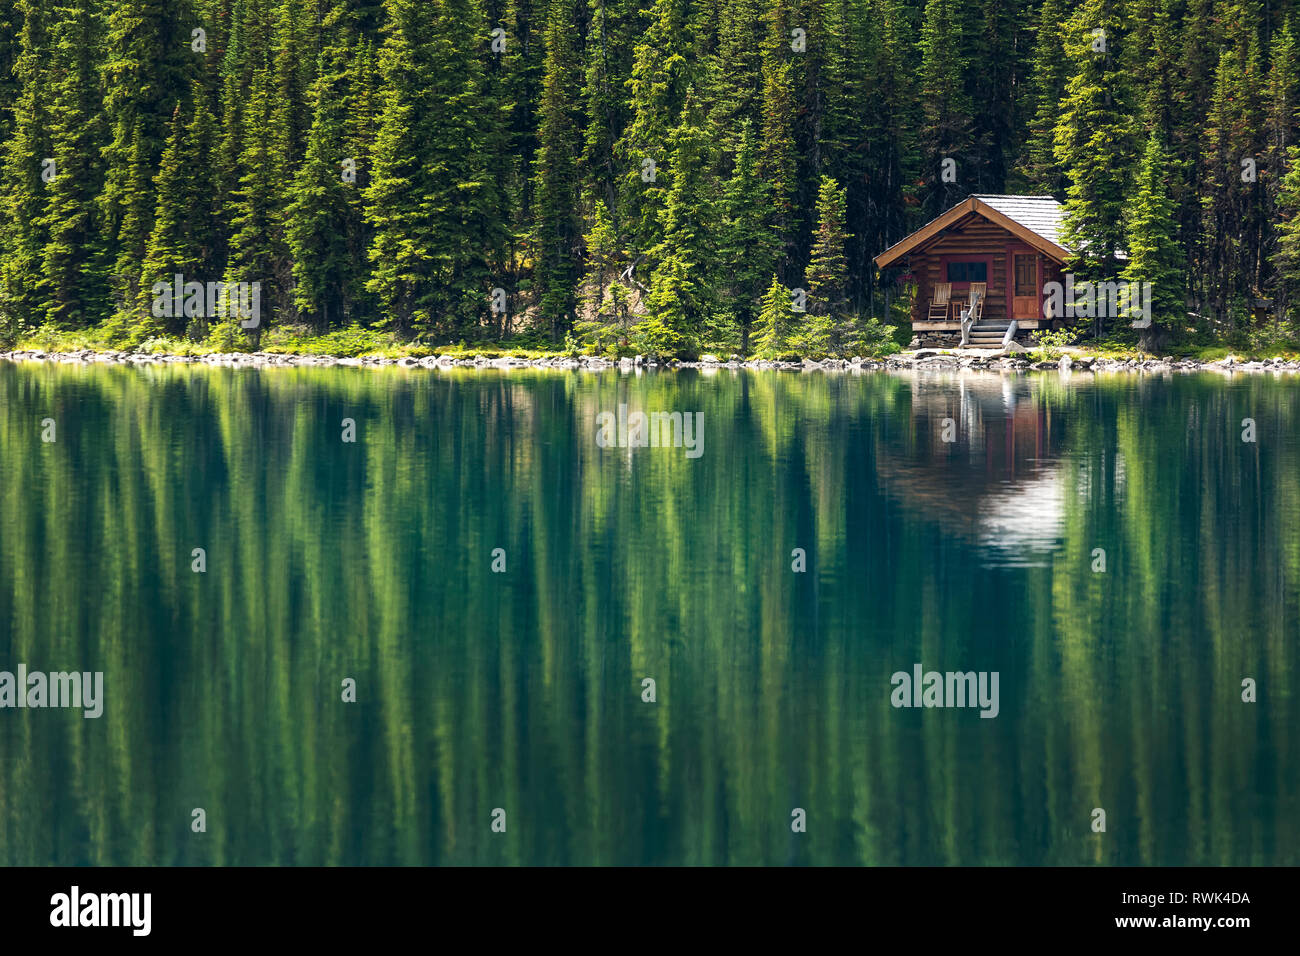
{"x":1042,"y":214}
{"x":1035,"y":219}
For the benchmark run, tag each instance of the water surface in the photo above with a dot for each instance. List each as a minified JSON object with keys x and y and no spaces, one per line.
{"x":522,"y":690}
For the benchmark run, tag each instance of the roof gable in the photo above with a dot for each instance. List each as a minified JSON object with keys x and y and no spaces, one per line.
{"x":1034,"y":219}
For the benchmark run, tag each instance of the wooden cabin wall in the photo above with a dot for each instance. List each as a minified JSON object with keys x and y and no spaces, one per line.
{"x":975,"y":236}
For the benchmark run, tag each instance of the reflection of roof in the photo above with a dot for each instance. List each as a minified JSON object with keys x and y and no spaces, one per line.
{"x":1019,"y":527}
{"x":1034,"y":219}
{"x":1000,"y":485}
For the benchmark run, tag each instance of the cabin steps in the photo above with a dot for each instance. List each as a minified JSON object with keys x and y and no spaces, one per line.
{"x":987,"y":335}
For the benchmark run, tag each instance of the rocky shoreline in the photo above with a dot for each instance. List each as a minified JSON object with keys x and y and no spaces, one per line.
{"x":934,"y":359}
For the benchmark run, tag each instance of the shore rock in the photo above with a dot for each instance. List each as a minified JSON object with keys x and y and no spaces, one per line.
{"x":1011,"y":359}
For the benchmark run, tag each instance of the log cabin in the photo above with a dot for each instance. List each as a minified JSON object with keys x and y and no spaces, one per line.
{"x":980,"y":270}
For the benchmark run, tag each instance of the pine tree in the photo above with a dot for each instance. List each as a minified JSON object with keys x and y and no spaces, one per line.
{"x":995,"y":34}
{"x":25,"y":233}
{"x":681,"y":288}
{"x":827,"y":275}
{"x":871,"y":131}
{"x":606,"y":298}
{"x":148,"y":69}
{"x":776,"y":162}
{"x":295,"y":59}
{"x":946,"y":136}
{"x":186,"y":239}
{"x":1283,"y":102}
{"x":75,"y":271}
{"x":747,"y":245}
{"x":11,"y":18}
{"x":258,"y":250}
{"x":1047,"y":78}
{"x":430,"y":194}
{"x":320,"y":220}
{"x":1095,"y":141}
{"x":775,"y":321}
{"x":665,"y":66}
{"x":611,"y":40}
{"x":362,"y":104}
{"x":1234,"y":144}
{"x":1152,"y":245}
{"x":735,"y":70}
{"x":558,"y":231}
{"x":1286,"y":256}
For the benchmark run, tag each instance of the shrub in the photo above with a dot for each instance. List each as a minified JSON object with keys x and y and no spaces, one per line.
{"x":1050,"y":342}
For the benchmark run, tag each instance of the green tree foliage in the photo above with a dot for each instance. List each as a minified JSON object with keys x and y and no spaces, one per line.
{"x":74,"y":270}
{"x":1153,"y":253}
{"x":1095,"y":138}
{"x":321,"y":221}
{"x":185,"y":240}
{"x":1047,"y":78}
{"x":430,"y":192}
{"x":776,"y":321}
{"x":1233,"y":149}
{"x":606,"y":306}
{"x":638,"y":169}
{"x":747,"y":247}
{"x":946,"y":107}
{"x":559,"y":230}
{"x":776,"y":162}
{"x":1286,"y":256}
{"x":147,"y":65}
{"x":828,"y":271}
{"x":25,"y":230}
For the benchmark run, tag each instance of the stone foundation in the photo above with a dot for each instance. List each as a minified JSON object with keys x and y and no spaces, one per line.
{"x":936,"y":340}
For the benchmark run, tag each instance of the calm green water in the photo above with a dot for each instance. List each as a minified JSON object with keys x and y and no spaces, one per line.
{"x":522,"y":690}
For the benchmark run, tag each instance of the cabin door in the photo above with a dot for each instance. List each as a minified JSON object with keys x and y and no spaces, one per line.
{"x":1026,"y":285}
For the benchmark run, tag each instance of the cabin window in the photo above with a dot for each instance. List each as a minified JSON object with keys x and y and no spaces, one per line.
{"x":968,"y":272}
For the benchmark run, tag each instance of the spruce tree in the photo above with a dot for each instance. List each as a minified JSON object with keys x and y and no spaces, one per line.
{"x":1047,"y":78}
{"x":186,"y":239}
{"x":664,"y":67}
{"x":777,"y":161}
{"x":776,"y":321}
{"x":74,"y":267}
{"x":362,"y":104}
{"x":25,"y":231}
{"x":320,"y":220}
{"x":11,"y":19}
{"x":614,"y":28}
{"x":1152,"y":246}
{"x":827,"y":275}
{"x":430,"y":196}
{"x":149,"y":62}
{"x":946,"y":138}
{"x":747,"y":245}
{"x":605,"y":303}
{"x":1095,"y":140}
{"x":258,"y":250}
{"x":1234,"y":146}
{"x":1284,"y":99}
{"x":1286,"y":255}
{"x":558,"y":229}
{"x":681,"y":289}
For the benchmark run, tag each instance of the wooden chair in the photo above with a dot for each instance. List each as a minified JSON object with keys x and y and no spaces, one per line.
{"x":977,"y":290}
{"x":939,"y":304}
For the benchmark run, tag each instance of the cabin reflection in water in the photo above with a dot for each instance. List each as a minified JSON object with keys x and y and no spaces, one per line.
{"x":981,"y":456}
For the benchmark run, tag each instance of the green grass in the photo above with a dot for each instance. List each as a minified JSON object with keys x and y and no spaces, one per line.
{"x":357,"y":341}
{"x":290,"y":340}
